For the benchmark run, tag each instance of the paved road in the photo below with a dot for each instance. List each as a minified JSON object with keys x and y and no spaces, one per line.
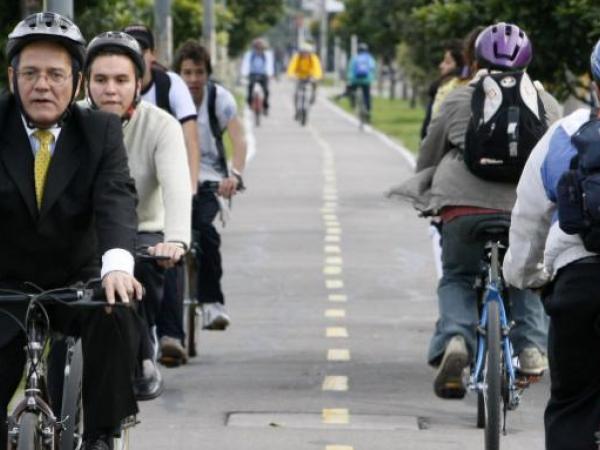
{"x":332,"y":294}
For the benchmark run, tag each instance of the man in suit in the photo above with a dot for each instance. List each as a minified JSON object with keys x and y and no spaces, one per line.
{"x":66,"y":199}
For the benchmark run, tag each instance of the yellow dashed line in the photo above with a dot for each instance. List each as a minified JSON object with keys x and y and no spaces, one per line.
{"x":336,"y":332}
{"x":332,"y":270}
{"x":335,"y":313}
{"x":335,"y":383}
{"x":337,"y":416}
{"x":334,"y":284}
{"x":338,"y":354}
{"x":338,"y":298}
{"x":334,"y":260}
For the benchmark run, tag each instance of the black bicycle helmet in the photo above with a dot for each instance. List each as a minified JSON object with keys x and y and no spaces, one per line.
{"x":117,"y":40}
{"x":47,"y":26}
{"x":121,"y":43}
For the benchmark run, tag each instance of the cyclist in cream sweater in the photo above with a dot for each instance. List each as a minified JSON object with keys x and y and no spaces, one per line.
{"x":158,"y":163}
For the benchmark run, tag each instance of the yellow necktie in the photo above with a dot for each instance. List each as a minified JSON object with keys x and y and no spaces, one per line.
{"x":42,"y":161}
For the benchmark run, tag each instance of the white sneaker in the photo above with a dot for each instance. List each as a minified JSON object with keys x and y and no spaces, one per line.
{"x":532,"y":361}
{"x":214,"y":316}
{"x":449,"y":382}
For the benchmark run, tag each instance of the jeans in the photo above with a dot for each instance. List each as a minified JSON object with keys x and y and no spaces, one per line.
{"x":457,"y":298}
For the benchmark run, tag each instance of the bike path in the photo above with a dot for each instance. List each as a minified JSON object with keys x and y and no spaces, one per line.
{"x":331,"y":289}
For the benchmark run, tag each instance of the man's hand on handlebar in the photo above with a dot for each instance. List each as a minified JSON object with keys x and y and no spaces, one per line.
{"x":171,"y":250}
{"x":122,"y":284}
{"x":228,"y":187}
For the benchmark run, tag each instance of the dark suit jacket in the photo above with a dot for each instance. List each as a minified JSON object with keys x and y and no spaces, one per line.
{"x":88,"y":205}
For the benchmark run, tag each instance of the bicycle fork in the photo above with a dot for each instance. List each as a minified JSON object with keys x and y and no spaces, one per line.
{"x":476,"y":380}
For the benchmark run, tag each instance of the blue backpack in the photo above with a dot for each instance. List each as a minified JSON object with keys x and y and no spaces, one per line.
{"x":362,"y":65}
{"x":578,"y":193}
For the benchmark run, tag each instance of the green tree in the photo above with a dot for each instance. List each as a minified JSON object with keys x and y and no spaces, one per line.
{"x":562,"y":31}
{"x":251,"y":18}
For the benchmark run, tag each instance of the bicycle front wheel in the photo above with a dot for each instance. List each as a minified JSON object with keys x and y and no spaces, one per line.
{"x":192,"y":323}
{"x":493,"y":378}
{"x":71,"y":414}
{"x":29,"y":432}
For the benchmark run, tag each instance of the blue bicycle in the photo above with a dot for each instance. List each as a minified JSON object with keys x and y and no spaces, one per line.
{"x":494,"y":377}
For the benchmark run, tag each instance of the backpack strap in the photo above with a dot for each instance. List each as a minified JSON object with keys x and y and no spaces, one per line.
{"x":215,"y":127}
{"x":162,"y":82}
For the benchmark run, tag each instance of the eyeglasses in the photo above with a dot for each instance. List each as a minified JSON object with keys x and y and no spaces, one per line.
{"x":53,"y":77}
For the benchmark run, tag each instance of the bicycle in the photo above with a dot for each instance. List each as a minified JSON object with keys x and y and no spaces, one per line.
{"x":33,"y":425}
{"x":361,"y":108}
{"x":257,"y":100}
{"x":191,"y":303}
{"x":301,"y":102}
{"x":494,"y":377}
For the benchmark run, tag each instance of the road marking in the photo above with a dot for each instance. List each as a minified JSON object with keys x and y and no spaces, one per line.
{"x":338,"y":354}
{"x":334,"y":230}
{"x":332,"y":205}
{"x":335,"y":313}
{"x":335,"y":383}
{"x":336,"y":332}
{"x":336,"y":416}
{"x":330,"y":197}
{"x":332,"y":249}
{"x":332,"y":238}
{"x":339,"y":447}
{"x":329,"y":217}
{"x":332,"y":223}
{"x":332,"y":270}
{"x":334,"y":284}
{"x":334,"y":260}
{"x":327,"y":210}
{"x":338,"y":298}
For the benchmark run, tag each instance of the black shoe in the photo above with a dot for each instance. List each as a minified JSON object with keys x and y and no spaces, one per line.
{"x":102,"y":442}
{"x":150,"y":384}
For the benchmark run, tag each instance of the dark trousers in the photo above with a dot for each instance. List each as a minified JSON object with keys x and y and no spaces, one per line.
{"x":170,"y":320}
{"x":365,"y":92}
{"x":109,"y":343}
{"x":152,"y":277}
{"x":205,"y":208}
{"x":572,"y":415}
{"x":263,"y":80}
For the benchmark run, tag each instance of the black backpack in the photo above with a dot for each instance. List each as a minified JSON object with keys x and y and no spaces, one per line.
{"x":215,"y":127}
{"x":507,"y":120}
{"x":578,"y":190}
{"x":162,"y":83}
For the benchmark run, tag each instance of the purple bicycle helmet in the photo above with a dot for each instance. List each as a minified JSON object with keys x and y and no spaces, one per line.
{"x":503,"y":46}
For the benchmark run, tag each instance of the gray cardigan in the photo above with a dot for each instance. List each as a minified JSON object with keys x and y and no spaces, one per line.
{"x":442,"y":178}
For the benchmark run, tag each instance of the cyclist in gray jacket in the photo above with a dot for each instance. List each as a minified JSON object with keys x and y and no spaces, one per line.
{"x":444,"y":186}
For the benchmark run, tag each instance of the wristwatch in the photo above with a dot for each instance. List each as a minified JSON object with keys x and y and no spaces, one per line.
{"x":238,"y":176}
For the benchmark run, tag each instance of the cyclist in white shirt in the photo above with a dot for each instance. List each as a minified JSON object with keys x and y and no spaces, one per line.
{"x":215,"y":104}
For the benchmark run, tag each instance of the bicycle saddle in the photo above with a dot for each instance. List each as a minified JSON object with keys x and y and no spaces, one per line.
{"x":493,"y":229}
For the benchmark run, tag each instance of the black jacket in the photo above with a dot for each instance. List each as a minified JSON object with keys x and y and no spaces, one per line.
{"x":88,"y":205}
